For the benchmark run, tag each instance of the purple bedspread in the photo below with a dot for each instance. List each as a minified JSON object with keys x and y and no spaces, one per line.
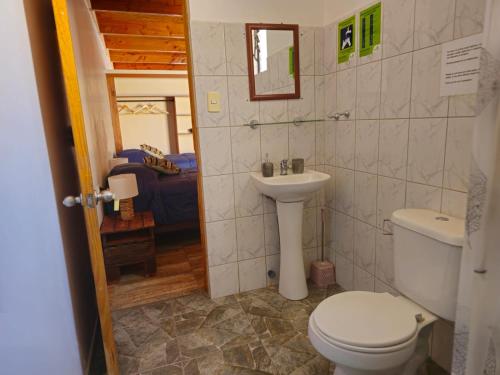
{"x":173,"y":199}
{"x":183,"y":161}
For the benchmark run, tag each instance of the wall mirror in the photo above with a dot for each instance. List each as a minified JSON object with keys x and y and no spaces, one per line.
{"x":273,"y":61}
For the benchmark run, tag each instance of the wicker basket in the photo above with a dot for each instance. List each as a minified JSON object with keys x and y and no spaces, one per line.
{"x":127,"y":209}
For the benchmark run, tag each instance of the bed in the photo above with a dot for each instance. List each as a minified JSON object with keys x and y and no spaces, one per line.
{"x":173,"y":199}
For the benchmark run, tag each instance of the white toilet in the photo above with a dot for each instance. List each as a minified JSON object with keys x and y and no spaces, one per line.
{"x":377,"y":333}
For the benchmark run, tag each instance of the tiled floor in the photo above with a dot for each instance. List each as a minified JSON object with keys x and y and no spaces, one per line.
{"x":257,"y":332}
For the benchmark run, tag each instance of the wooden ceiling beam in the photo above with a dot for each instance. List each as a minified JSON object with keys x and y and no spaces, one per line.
{"x":171,"y":7}
{"x":144,"y":43}
{"x":147,"y":57}
{"x":140,"y":24}
{"x":148,"y":66}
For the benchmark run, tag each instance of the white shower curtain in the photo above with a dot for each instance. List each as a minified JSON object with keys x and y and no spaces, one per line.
{"x":477,"y":329}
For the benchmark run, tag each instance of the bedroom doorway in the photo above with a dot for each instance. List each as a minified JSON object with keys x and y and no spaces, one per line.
{"x":152,"y":119}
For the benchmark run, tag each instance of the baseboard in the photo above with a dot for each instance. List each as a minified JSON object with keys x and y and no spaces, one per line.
{"x":91,"y":348}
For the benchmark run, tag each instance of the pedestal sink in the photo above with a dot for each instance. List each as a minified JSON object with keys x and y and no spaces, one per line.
{"x":290,"y":191}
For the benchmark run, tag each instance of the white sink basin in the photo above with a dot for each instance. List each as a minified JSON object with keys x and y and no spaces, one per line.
{"x":292,"y":187}
{"x":290,"y":191}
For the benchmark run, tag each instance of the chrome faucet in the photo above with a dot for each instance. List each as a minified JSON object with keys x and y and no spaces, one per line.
{"x":284,"y":167}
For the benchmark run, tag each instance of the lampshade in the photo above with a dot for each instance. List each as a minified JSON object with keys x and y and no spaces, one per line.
{"x":117,"y":161}
{"x":123,"y":186}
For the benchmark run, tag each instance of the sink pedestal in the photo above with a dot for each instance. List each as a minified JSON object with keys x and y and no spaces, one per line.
{"x":293,"y":283}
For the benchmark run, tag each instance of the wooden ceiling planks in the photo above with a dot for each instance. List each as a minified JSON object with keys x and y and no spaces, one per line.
{"x":171,"y":7}
{"x":148,"y":66}
{"x":147,"y":57}
{"x":143,"y":34}
{"x":140,"y":24}
{"x":141,"y":43}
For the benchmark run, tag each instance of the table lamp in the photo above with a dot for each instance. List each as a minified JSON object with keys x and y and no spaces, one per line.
{"x":124,"y":187}
{"x":117,"y":161}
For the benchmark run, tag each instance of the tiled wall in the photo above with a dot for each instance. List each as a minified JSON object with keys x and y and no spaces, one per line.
{"x":403,"y":145}
{"x":242,"y":227}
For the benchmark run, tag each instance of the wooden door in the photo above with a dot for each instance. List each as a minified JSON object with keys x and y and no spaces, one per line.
{"x":87,"y":184}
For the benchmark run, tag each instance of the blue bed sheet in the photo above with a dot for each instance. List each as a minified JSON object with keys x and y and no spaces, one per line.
{"x":172,"y":199}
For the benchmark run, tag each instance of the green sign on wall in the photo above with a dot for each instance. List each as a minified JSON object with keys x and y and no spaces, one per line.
{"x":369,"y":29}
{"x":346,"y":40}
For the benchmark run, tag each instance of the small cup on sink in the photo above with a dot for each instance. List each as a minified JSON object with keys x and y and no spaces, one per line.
{"x":298,"y":166}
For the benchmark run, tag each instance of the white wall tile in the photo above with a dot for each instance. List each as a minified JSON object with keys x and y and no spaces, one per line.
{"x":218,"y":196}
{"x":390,"y":197}
{"x":245,"y":145}
{"x":344,"y":235}
{"x":252,"y":274}
{"x":458,"y":153}
{"x":426,"y":150}
{"x":309,"y":228}
{"x":330,"y":187}
{"x":393,"y":148}
{"x":215,"y":146}
{"x":271,"y":234}
{"x":223,"y":280}
{"x":346,"y":92}
{"x":397,"y":31}
{"x":209,"y":55}
{"x":241,"y":109}
{"x":273,"y":111}
{"x":303,"y":108}
{"x":363,"y":280}
{"x":423,"y":196}
{"x":344,"y":272}
{"x":454,"y":203}
{"x":330,"y":56}
{"x":462,"y":106}
{"x":367,"y":134}
{"x":310,"y":255}
{"x":425,"y":95}
{"x":273,"y":264}
{"x":205,"y":84}
{"x":319,"y":51}
{"x":330,"y":127}
{"x":330,"y":94}
{"x":384,"y":265}
{"x":396,"y":87}
{"x":269,"y":205}
{"x":320,"y":143}
{"x":319,"y":97}
{"x":306,"y":50}
{"x":248,"y":200}
{"x":364,"y":246}
{"x":344,"y":190}
{"x":368,"y":91}
{"x":274,"y":143}
{"x":250,"y":237}
{"x":236,"y":52}
{"x":221,"y":242}
{"x":469,"y":16}
{"x":381,"y":287}
{"x":303,"y":142}
{"x":344,"y":144}
{"x":433,"y":22}
{"x":365,"y":197}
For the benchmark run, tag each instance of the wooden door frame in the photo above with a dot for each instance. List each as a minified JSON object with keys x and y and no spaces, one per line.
{"x":74,"y":102}
{"x":75,"y":110}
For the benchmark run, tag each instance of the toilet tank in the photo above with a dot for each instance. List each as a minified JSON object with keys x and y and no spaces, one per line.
{"x":427,"y":253}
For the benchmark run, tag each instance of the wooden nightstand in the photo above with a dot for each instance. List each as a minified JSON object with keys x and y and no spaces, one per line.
{"x":128,"y":242}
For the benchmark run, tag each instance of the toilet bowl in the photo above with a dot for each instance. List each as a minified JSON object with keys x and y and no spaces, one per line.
{"x":372,"y":333}
{"x":368,"y":333}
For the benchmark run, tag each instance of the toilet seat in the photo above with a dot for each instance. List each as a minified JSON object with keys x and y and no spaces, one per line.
{"x":366,"y":321}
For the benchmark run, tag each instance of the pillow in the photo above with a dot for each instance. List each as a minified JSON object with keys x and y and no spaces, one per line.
{"x":153,"y":151}
{"x":161,"y":165}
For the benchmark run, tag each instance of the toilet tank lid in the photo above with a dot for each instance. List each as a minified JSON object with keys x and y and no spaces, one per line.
{"x":441,"y":227}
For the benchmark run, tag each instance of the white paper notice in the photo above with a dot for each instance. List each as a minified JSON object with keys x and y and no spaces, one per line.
{"x":460,"y":66}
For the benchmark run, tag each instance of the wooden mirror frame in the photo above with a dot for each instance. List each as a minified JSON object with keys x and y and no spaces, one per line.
{"x":249,"y":27}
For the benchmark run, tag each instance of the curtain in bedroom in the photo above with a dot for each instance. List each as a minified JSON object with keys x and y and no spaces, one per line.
{"x":477,"y":329}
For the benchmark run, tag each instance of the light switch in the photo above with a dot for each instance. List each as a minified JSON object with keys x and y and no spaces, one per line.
{"x":213,"y":98}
